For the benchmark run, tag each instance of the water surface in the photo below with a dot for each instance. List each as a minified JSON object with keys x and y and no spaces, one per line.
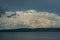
{"x":29,"y":35}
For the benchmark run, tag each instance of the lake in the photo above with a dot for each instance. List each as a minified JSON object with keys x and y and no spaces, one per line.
{"x":29,"y":35}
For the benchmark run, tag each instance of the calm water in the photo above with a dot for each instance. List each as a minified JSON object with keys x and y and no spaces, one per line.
{"x":29,"y":35}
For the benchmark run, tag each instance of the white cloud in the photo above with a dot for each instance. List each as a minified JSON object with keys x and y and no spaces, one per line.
{"x":29,"y":19}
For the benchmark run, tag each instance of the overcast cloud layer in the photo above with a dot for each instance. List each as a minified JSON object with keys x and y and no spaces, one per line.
{"x":29,"y":19}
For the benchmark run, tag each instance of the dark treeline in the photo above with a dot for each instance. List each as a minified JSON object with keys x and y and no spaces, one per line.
{"x":32,"y":30}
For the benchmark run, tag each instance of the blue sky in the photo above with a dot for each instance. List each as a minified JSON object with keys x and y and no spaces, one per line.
{"x":41,"y":5}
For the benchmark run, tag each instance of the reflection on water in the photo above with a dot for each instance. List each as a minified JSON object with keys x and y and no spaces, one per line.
{"x":29,"y":35}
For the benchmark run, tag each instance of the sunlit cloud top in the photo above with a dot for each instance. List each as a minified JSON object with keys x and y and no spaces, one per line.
{"x":29,"y":19}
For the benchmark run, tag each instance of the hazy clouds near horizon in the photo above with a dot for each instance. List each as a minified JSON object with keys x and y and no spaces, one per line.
{"x":29,"y":19}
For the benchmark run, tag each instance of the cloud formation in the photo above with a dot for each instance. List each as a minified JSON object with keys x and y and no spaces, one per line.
{"x":29,"y":19}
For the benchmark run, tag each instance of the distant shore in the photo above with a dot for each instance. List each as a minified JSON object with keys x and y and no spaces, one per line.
{"x":32,"y":30}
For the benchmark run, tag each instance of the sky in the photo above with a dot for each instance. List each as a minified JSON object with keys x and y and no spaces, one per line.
{"x":30,"y":14}
{"x":41,"y":5}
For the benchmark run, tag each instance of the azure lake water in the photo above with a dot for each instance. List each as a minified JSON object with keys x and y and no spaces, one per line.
{"x":29,"y":35}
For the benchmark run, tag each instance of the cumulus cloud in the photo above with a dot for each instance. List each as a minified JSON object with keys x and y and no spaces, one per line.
{"x":29,"y":19}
